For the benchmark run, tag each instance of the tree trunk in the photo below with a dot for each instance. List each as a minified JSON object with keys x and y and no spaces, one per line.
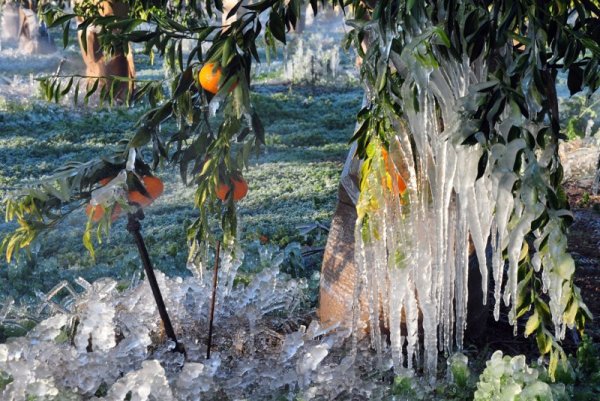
{"x":100,"y":65}
{"x":339,"y":272}
{"x":21,"y":26}
{"x":9,"y":30}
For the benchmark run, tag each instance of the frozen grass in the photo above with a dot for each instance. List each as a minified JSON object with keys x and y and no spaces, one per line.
{"x":293,"y":182}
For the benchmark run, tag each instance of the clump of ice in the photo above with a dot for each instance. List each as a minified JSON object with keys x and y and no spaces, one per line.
{"x":105,"y":344}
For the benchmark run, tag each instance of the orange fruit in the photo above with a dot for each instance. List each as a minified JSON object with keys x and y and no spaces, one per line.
{"x":240,"y":189}
{"x":222,"y":191}
{"x":139,"y":198}
{"x":98,"y":212}
{"x":209,"y":77}
{"x":105,"y":180}
{"x":392,"y":172}
{"x":154,"y":186}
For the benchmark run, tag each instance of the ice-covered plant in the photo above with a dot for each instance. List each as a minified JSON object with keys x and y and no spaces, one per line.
{"x":315,"y":59}
{"x":506,"y":378}
{"x":461,"y":94}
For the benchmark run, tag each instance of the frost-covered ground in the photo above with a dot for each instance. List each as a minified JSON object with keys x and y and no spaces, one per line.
{"x":103,"y":344}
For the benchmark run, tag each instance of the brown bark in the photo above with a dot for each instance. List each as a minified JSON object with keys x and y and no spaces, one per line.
{"x":32,"y":36}
{"x":339,"y":273}
{"x":99,"y":64}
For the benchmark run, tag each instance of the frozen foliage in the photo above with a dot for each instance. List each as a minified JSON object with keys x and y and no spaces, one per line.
{"x":506,"y":378}
{"x":103,"y":344}
{"x":413,"y":254}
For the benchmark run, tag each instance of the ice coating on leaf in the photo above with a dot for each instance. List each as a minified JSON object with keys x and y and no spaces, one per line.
{"x":410,"y":251}
{"x":130,"y":165}
{"x":109,"y":193}
{"x":146,"y":384}
{"x":506,"y":378}
{"x":413,"y":252}
{"x":96,"y":320}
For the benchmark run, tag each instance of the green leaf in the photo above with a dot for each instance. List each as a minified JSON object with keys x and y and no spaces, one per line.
{"x":66,"y":29}
{"x":13,"y":241}
{"x":62,"y":19}
{"x":441,"y":34}
{"x":575,"y":79}
{"x":276,"y":26}
{"x":76,"y":94}
{"x":186,"y":80}
{"x":91,"y":91}
{"x":87,"y":239}
{"x":141,"y":137}
{"x":257,"y":127}
{"x":571,"y":312}
{"x":544,"y":342}
{"x":482,"y":165}
{"x":532,"y":323}
{"x":261,"y":5}
{"x":565,"y":267}
{"x":67,"y":88}
{"x":553,"y":365}
{"x":234,"y":9}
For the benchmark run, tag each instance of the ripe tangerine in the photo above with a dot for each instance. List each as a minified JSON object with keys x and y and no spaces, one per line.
{"x":154,"y":186}
{"x":99,"y":211}
{"x":240,"y":189}
{"x":209,"y":77}
{"x":391,"y":172}
{"x":105,"y":180}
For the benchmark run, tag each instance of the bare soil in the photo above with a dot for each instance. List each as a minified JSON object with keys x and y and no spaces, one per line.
{"x":584,"y":245}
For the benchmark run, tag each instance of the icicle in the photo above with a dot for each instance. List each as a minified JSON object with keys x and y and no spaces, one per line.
{"x":497,"y":270}
{"x":462,"y":274}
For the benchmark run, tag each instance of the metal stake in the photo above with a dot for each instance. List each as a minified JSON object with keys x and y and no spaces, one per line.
{"x":134,"y":227}
{"x":212,"y":302}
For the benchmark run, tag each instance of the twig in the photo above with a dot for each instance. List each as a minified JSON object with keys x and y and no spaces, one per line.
{"x":212,"y":302}
{"x":313,"y":251}
{"x":60,"y":64}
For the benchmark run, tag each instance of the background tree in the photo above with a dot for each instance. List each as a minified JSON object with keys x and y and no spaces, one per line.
{"x":485,"y":73}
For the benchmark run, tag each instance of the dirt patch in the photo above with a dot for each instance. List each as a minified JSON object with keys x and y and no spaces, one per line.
{"x":584,"y":245}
